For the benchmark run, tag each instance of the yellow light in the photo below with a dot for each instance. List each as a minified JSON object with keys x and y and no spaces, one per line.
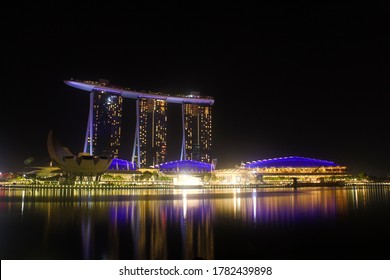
{"x":187,"y":180}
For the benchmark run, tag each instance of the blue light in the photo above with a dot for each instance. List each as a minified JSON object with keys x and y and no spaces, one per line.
{"x":185,"y":166}
{"x":292,"y":161}
{"x":121,"y":164}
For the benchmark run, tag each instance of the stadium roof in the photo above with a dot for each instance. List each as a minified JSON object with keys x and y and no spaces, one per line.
{"x":121,"y":164}
{"x":291,"y":161}
{"x":190,"y":166}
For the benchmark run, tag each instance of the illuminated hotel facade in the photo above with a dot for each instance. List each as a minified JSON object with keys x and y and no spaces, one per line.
{"x":151,"y":132}
{"x":197,"y":132}
{"x":150,"y":140}
{"x":104,"y":124}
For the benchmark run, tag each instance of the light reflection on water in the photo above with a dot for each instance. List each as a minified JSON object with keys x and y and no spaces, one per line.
{"x":175,"y":224}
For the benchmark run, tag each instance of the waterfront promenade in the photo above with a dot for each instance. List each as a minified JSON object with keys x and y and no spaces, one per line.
{"x":165,"y":185}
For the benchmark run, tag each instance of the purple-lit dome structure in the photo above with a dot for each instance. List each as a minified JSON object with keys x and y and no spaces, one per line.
{"x":284,"y":169}
{"x":122,"y":165}
{"x":185,"y":166}
{"x":291,"y":161}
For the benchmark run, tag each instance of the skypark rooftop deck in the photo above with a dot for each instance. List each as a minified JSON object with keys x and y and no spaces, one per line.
{"x":129,"y":93}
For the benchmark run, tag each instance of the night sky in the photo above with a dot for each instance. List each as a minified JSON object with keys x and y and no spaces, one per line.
{"x":309,"y":81}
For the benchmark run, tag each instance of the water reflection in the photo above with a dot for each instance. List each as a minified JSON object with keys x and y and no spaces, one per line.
{"x":164,"y":224}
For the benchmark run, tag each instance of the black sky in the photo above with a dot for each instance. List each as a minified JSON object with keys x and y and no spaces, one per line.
{"x":302,"y":80}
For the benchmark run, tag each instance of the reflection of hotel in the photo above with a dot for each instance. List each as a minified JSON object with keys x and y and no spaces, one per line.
{"x":154,"y":224}
{"x":185,"y":224}
{"x":150,"y":141}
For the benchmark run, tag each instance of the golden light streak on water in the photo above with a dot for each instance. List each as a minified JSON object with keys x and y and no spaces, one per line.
{"x":148,"y":221}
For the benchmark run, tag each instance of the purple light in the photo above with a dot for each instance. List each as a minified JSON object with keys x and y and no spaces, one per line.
{"x":292,"y":161}
{"x":187,"y":166}
{"x":126,"y":93}
{"x":121,"y":164}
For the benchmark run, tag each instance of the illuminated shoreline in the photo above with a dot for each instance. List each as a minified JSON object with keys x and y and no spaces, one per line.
{"x":115,"y":186}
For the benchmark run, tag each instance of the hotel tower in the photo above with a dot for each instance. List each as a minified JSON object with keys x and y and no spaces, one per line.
{"x":197,"y":132}
{"x":104,"y":124}
{"x":150,"y":140}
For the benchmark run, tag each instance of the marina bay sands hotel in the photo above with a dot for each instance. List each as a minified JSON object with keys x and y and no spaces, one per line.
{"x":150,"y":141}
